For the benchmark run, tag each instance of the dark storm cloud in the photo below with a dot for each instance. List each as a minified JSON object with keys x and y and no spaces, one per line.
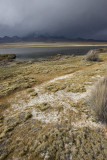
{"x":71,"y":18}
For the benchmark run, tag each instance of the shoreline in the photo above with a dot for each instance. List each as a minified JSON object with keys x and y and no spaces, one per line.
{"x":47,"y":44}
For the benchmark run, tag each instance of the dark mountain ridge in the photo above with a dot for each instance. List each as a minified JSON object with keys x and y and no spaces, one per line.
{"x":44,"y":38}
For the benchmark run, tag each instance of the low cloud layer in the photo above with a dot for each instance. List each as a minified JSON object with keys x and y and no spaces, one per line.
{"x":70,"y":18}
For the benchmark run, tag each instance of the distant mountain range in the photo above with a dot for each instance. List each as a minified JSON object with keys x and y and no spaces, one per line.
{"x":44,"y":38}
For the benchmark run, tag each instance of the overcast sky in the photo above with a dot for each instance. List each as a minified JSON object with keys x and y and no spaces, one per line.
{"x":70,"y":18}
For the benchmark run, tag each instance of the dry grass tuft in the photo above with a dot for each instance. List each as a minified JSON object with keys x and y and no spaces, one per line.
{"x":98,"y":99}
{"x":92,"y":55}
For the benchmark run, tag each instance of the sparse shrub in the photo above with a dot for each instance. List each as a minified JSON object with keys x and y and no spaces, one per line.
{"x":98,"y":99}
{"x":30,"y":90}
{"x":34,"y":94}
{"x":92,"y":55}
{"x":43,"y":106}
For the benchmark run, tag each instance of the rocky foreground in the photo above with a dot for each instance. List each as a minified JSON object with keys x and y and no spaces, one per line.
{"x":45,"y":113}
